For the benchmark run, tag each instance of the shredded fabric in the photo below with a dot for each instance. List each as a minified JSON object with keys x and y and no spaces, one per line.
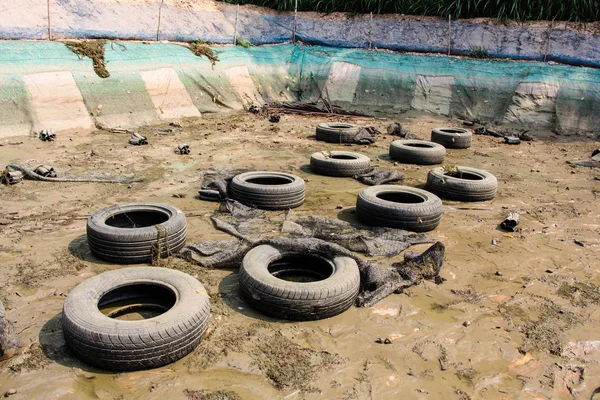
{"x":380,"y":176}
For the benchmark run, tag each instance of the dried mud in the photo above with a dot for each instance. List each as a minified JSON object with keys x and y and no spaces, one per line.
{"x":516,"y":317}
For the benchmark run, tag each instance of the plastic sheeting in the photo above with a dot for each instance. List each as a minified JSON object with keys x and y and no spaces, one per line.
{"x":158,"y":81}
{"x":170,"y":20}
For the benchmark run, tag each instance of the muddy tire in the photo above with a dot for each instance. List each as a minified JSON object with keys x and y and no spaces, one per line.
{"x":333,"y":290}
{"x":337,"y":132}
{"x":136,"y":232}
{"x":399,"y":207}
{"x":473,"y":185}
{"x":339,"y":163}
{"x":452,"y":138}
{"x":418,"y":152}
{"x":114,"y":344}
{"x":268,"y":190}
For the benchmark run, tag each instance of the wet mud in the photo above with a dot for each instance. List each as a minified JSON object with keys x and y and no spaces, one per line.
{"x":516,"y":317}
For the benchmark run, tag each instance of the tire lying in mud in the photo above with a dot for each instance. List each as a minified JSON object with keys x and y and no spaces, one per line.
{"x":464,"y":184}
{"x":268,"y":190}
{"x":339,"y":163}
{"x":452,"y":138}
{"x":299,"y":287}
{"x":337,"y":132}
{"x":136,"y":232}
{"x":100,"y":340}
{"x":399,"y":207}
{"x":418,"y":152}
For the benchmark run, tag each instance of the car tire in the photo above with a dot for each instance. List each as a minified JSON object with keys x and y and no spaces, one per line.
{"x":268,"y":190}
{"x":418,"y":152}
{"x":472,"y":184}
{"x":339,"y":163}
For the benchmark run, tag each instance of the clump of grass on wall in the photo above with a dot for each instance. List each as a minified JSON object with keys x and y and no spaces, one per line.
{"x":561,"y":10}
{"x":93,"y":49}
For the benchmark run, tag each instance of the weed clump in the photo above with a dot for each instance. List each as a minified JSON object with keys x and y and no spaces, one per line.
{"x":200,"y":48}
{"x":244,"y":43}
{"x":478,"y":52}
{"x":93,"y":49}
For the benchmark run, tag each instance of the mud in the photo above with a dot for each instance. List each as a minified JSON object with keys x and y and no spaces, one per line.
{"x":515,"y":318}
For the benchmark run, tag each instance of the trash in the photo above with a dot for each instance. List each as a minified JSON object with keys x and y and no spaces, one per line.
{"x":176,"y":124}
{"x":183,"y":149}
{"x":379,"y":340}
{"x":397,"y":129}
{"x":579,"y":243}
{"x":468,"y":123}
{"x":512,"y":140}
{"x":592,"y":162}
{"x":274,"y":118}
{"x":511,"y":222}
{"x":11,"y":177}
{"x":137,"y":139}
{"x":366,"y":135}
{"x":254,"y":109}
{"x":45,"y":171}
{"x":387,"y":341}
{"x":29,"y":173}
{"x":379,"y":177}
{"x":311,"y":108}
{"x":47,"y":136}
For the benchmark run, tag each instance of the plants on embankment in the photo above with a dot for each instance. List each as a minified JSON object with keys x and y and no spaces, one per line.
{"x":562,"y":10}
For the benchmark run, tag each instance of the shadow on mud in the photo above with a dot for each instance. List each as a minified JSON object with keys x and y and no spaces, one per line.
{"x":80,"y":249}
{"x":54,"y":347}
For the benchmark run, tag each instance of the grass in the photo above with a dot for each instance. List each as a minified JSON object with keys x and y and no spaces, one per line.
{"x":478,"y":52}
{"x":244,"y":43}
{"x":567,"y":10}
{"x":93,"y":49}
{"x":200,"y":48}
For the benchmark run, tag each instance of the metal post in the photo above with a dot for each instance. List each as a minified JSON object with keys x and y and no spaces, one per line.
{"x":235,"y":29}
{"x":49,"y":26}
{"x":295,"y":21}
{"x":449,"y":34}
{"x":371,"y":32}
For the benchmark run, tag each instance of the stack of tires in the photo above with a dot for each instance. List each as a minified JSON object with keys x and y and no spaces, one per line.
{"x":268,"y":190}
{"x":136,"y":232}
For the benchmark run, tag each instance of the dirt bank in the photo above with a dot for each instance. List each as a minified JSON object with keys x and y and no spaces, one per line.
{"x":515,"y":319}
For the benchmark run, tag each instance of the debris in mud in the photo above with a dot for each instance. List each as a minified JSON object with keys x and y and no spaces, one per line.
{"x":201,"y":49}
{"x":9,"y":177}
{"x":10,"y":392}
{"x":580,"y":294}
{"x":592,"y":162}
{"x":47,"y":136}
{"x":274,"y":118}
{"x":511,"y":222}
{"x":254,"y":109}
{"x":512,"y":140}
{"x":509,"y":137}
{"x":469,"y":295}
{"x":208,"y":395}
{"x":380,"y":177}
{"x":396,"y":129}
{"x":366,"y":135}
{"x":468,"y":123}
{"x":183,"y":149}
{"x":45,"y":171}
{"x":311,"y":108}
{"x":137,"y":139}
{"x":29,"y":173}
{"x":93,"y":49}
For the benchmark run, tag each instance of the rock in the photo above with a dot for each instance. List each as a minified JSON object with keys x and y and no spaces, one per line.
{"x":467,"y":323}
{"x":339,"y":206}
{"x":549,"y":271}
{"x":498,"y":273}
{"x":379,"y":340}
{"x":10,"y":392}
{"x":387,"y":341}
{"x":494,"y":242}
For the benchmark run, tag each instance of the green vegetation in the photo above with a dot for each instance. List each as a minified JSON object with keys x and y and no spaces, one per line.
{"x":244,"y":43}
{"x":93,"y":49}
{"x":478,"y":52}
{"x":566,"y":10}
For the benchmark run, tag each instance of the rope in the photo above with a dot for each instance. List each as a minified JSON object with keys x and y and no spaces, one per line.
{"x":32,"y":175}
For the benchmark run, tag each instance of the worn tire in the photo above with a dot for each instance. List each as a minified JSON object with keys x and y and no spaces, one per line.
{"x":111,"y":238}
{"x":114,"y":344}
{"x":418,"y":211}
{"x":299,"y":301}
{"x":337,"y":132}
{"x":452,"y":138}
{"x":268,"y":190}
{"x":417,"y":152}
{"x":476,"y":184}
{"x":339,"y":163}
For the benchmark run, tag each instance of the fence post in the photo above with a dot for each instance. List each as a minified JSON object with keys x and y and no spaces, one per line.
{"x":371,"y":32}
{"x":295,"y":21}
{"x":159,"y":17}
{"x":49,"y":25}
{"x":235,"y":29}
{"x":548,"y":39}
{"x":449,"y":34}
